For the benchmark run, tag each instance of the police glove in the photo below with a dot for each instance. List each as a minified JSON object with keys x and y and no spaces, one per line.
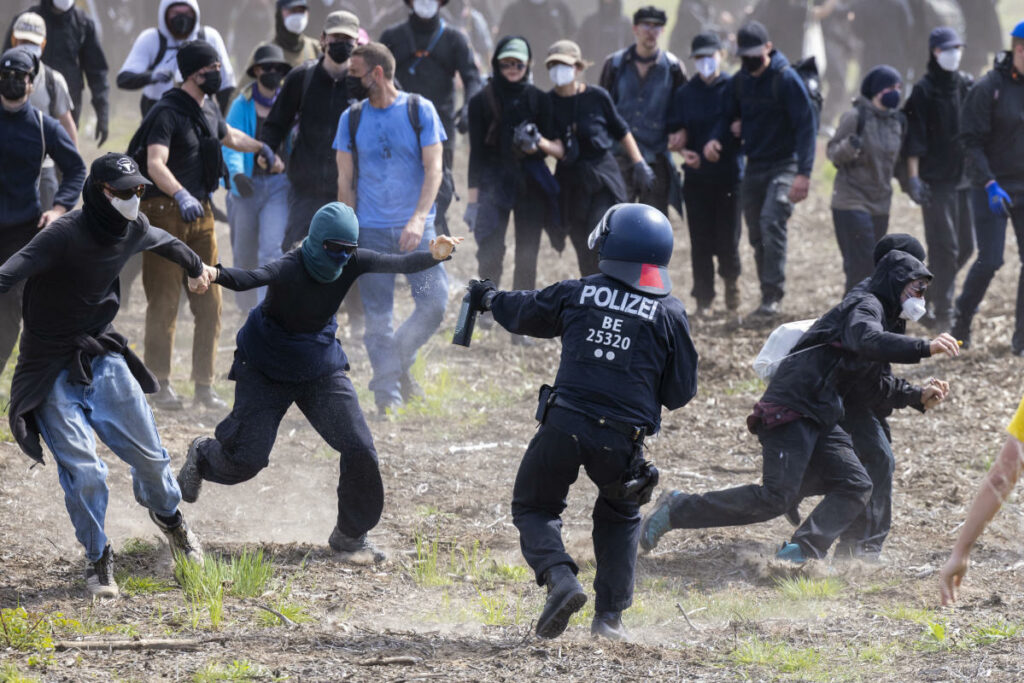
{"x":462,"y":121}
{"x":190,"y":207}
{"x":919,"y":191}
{"x":481,"y":292}
{"x":243,"y":185}
{"x":161,"y":76}
{"x":643,"y":175}
{"x":855,"y":142}
{"x":102,"y":124}
{"x":472,"y":210}
{"x":999,"y":202}
{"x":525,"y":137}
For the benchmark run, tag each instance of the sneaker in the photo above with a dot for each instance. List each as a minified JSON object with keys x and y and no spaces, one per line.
{"x":387,"y":410}
{"x":767,"y":309}
{"x":99,"y":576}
{"x":609,"y":625}
{"x":791,"y":552}
{"x":166,"y":398}
{"x":180,"y":537}
{"x":656,"y":522}
{"x":207,"y":398}
{"x":410,"y":388}
{"x":565,"y":598}
{"x":190,"y":480}
{"x":732,"y":295}
{"x":355,"y":550}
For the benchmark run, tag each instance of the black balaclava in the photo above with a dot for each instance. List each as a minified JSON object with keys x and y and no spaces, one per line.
{"x":105,"y":222}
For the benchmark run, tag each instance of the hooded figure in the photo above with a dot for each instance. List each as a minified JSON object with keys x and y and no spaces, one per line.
{"x":334,"y":225}
{"x":297,"y":46}
{"x":151,"y":65}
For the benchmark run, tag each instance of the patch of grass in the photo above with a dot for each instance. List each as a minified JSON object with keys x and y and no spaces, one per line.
{"x":751,"y":386}
{"x":237,"y":670}
{"x":914,"y":615}
{"x":448,"y":395}
{"x":494,"y":609}
{"x":937,"y":635}
{"x":137,"y":547}
{"x":26,"y":631}
{"x":131,"y":584}
{"x":9,"y":673}
{"x":293,"y":611}
{"x":805,"y":588}
{"x":987,"y":635}
{"x":245,"y":575}
{"x":436,"y":564}
{"x":431,"y":566}
{"x":779,"y":657}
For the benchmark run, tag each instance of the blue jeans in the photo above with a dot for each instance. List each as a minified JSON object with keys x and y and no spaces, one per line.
{"x":257,"y":229}
{"x":392,"y":352}
{"x":856,"y":233}
{"x":115,"y":407}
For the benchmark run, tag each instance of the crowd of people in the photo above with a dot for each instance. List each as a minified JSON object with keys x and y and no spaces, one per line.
{"x":337,"y":157}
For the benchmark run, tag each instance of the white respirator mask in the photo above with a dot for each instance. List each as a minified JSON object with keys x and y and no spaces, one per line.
{"x":63,"y":5}
{"x":949,"y":60}
{"x":129,"y":208}
{"x":426,"y":9}
{"x":913,"y":308}
{"x":707,"y":66}
{"x":562,"y":74}
{"x":296,"y":23}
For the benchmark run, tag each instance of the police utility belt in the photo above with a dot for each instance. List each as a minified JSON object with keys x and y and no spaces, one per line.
{"x":640,"y":478}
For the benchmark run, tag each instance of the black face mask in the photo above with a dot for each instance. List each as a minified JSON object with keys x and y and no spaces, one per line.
{"x":752,"y":64}
{"x":181,"y":25}
{"x":13,"y":88}
{"x":355,"y":88}
{"x":340,"y":51}
{"x":271,"y":79}
{"x":211,"y":82}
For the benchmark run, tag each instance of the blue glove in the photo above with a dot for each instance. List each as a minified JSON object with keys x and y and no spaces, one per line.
{"x":999,"y":202}
{"x":269,"y":155}
{"x":190,"y":207}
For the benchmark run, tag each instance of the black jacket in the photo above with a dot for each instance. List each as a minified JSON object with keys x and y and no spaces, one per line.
{"x":933,"y":124}
{"x":847,"y":342}
{"x":992,"y":133}
{"x":312,"y":168}
{"x":72,"y":48}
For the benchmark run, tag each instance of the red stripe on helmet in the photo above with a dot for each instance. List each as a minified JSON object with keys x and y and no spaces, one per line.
{"x":650,"y":276}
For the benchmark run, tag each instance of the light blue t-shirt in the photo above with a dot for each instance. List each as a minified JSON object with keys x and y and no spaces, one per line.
{"x":390,"y":161}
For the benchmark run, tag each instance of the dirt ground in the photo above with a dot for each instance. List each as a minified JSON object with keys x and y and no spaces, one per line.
{"x":456,"y":602}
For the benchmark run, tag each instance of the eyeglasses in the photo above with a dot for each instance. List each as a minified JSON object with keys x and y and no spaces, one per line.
{"x":918,"y":290}
{"x":128,"y":193}
{"x":650,"y":28}
{"x":339,"y":247}
{"x":512,"y":65}
{"x":274,"y":68}
{"x":12,"y":74}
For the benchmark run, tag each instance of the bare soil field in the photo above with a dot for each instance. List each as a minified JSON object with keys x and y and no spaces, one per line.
{"x":456,"y":602}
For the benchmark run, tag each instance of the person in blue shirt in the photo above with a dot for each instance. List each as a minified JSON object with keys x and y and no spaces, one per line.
{"x":389,"y":150}
{"x":712,"y":190}
{"x":258,"y":200}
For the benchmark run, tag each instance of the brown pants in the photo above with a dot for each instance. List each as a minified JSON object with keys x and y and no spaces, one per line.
{"x":163,"y":280}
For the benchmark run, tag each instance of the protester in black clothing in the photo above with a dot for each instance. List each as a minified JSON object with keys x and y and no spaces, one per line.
{"x":711,"y":190}
{"x":312,"y":100}
{"x":992,"y":135}
{"x":73,"y":49}
{"x":589,"y":126}
{"x":542,"y":22}
{"x":287,"y":353}
{"x":428,"y":55}
{"x":75,"y":374}
{"x":511,"y":129}
{"x":606,"y":30}
{"x":804,"y":451}
{"x":642,"y":80}
{"x":935,"y":166}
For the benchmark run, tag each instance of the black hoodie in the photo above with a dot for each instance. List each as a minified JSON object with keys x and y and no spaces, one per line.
{"x":846,"y":341}
{"x":933,"y":124}
{"x":992,"y":131}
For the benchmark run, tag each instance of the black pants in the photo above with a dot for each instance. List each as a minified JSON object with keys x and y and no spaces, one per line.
{"x":657,"y":196}
{"x":856,"y":233}
{"x":582,"y":223}
{"x":490,"y":229}
{"x":799,"y":459}
{"x":867,"y":533}
{"x":766,"y":206}
{"x":12,"y":239}
{"x":713,"y":217}
{"x":245,"y":437}
{"x":551,"y":465}
{"x":949,"y":233}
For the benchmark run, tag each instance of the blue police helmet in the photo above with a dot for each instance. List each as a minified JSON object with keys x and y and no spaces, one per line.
{"x":635,"y":245}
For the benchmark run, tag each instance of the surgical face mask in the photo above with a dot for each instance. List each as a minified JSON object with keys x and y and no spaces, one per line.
{"x":562,"y":74}
{"x":13,"y":87}
{"x":425,"y":9}
{"x":891,"y":99}
{"x":63,"y":5}
{"x":296,"y":23}
{"x":752,"y":64}
{"x":949,"y":60}
{"x":129,"y":208}
{"x":36,"y":50}
{"x":181,"y":25}
{"x":355,"y":89}
{"x":913,"y":308}
{"x":211,"y":82}
{"x":339,"y":51}
{"x":707,"y":66}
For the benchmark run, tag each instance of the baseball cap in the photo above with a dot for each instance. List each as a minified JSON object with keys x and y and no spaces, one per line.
{"x":31,"y":27}
{"x":750,"y":39}
{"x":565,"y":52}
{"x":19,"y":59}
{"x":944,"y":38}
{"x":288,"y":4}
{"x":1018,"y":31}
{"x":651,"y":14}
{"x":117,"y":170}
{"x":345,"y":23}
{"x":705,"y":44}
{"x":515,"y":49}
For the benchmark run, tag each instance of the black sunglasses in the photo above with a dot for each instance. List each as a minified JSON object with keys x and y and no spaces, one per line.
{"x":127,"y":194}
{"x":12,"y":74}
{"x":339,"y":247}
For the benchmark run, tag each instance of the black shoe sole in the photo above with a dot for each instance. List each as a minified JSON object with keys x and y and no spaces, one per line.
{"x":555,"y":625}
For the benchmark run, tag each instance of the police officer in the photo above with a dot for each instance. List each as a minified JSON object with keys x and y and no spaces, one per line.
{"x":626,"y":351}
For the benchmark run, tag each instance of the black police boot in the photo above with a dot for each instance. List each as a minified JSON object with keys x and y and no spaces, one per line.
{"x":565,"y":597}
{"x":206,"y":397}
{"x":357,"y":550}
{"x":166,"y":398}
{"x":609,"y":625}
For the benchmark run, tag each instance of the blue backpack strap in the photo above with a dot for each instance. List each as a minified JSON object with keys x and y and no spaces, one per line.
{"x":420,"y":55}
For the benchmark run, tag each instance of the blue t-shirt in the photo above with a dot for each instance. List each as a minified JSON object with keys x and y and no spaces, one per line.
{"x":390,"y":160}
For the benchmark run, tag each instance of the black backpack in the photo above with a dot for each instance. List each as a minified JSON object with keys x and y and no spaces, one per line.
{"x":162,"y":50}
{"x":807,"y":70}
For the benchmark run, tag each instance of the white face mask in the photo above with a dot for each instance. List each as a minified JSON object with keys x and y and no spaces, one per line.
{"x":950,"y":59}
{"x":913,"y":308}
{"x":129,"y":208}
{"x":296,"y":23}
{"x":707,"y":66}
{"x":426,"y":9}
{"x":63,"y":5}
{"x":562,"y":74}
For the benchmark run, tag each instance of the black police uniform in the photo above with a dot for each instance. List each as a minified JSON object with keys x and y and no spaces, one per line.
{"x":624,"y":355}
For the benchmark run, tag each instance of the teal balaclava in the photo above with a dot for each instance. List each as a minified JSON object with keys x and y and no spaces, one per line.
{"x":334,"y":221}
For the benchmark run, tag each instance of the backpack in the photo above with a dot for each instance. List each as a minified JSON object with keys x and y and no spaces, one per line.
{"x":675,"y":70}
{"x":779,"y":346}
{"x":807,"y":70}
{"x":51,"y":88}
{"x":162,"y":50}
{"x":355,"y":113}
{"x":900,"y":171}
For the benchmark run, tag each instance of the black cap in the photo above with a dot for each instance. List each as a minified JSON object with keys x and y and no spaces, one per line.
{"x":705,"y":44}
{"x":119,"y":171}
{"x":196,"y":55}
{"x":267,"y":53}
{"x":288,"y":4}
{"x":651,"y":14}
{"x":19,"y":59}
{"x":944,"y":38}
{"x":750,"y":39}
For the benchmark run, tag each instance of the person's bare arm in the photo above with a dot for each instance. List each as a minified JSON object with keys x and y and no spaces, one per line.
{"x":631,"y":149}
{"x":553,"y":148}
{"x":156,"y":161}
{"x":413,"y":232}
{"x":913,"y":166}
{"x":240,"y":142}
{"x":346,"y":194}
{"x":67,"y":122}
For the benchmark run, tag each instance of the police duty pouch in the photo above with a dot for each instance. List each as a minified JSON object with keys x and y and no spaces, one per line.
{"x":545,"y":400}
{"x":778,"y":346}
{"x":638,"y":483}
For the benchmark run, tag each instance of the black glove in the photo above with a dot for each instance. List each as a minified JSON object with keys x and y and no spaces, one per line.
{"x":243,"y":185}
{"x":462,"y":121}
{"x":855,"y":142}
{"x":643,"y":175}
{"x":102,"y":124}
{"x":481,"y":292}
{"x":919,"y":191}
{"x":161,"y":76}
{"x":472,"y":209}
{"x":525,"y":137}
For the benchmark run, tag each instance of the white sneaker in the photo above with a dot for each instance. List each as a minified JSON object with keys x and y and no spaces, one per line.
{"x":99,"y":577}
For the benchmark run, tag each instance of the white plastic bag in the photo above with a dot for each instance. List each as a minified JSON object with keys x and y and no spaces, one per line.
{"x":779,"y":345}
